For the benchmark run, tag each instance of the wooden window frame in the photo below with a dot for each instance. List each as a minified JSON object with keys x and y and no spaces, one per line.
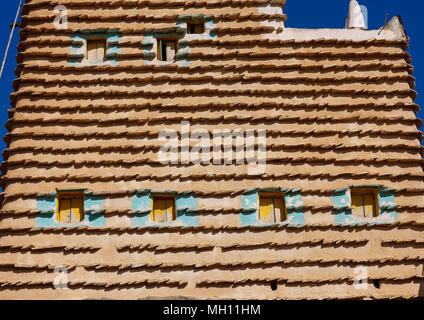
{"x":195,"y":23}
{"x":273,"y":195}
{"x":88,"y":40}
{"x":160,"y":42}
{"x":367,"y":191}
{"x":164,"y":197}
{"x":69,"y":196}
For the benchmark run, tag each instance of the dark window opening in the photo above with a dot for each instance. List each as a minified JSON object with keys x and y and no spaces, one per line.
{"x":377,"y":284}
{"x":167,"y":49}
{"x":274,"y":285}
{"x":195,"y":27}
{"x":163,"y":52}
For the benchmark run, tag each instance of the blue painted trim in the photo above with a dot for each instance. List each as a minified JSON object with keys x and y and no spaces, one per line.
{"x":150,"y":38}
{"x":185,"y":204}
{"x":93,"y":212}
{"x":148,"y":45}
{"x":250,"y":207}
{"x":343,"y":207}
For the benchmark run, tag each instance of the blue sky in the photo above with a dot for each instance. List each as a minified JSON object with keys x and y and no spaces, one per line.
{"x":301,"y":14}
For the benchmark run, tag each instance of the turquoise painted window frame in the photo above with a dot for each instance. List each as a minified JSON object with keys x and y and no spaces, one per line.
{"x":150,"y":42}
{"x":343,"y":207}
{"x":78,"y":54}
{"x":293,"y":201}
{"x":47,"y":208}
{"x":186,"y":204}
{"x":180,"y":31}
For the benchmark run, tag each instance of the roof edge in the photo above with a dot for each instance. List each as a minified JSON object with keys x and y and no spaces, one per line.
{"x":397,"y":27}
{"x":392,"y":32}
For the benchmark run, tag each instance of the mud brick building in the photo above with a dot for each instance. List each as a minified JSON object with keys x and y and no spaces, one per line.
{"x":84,"y":190}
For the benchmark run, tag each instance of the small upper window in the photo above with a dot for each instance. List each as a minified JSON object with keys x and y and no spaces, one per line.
{"x":96,"y":50}
{"x":167,"y":49}
{"x":70,"y":207}
{"x":195,"y":27}
{"x":163,"y":209}
{"x":364,"y":203}
{"x":272,"y":208}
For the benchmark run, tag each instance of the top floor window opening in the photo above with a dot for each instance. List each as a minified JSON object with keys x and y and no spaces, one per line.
{"x":195,"y":27}
{"x":96,"y":50}
{"x":167,"y":49}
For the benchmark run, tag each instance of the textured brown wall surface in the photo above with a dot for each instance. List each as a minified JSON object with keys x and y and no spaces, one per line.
{"x":338,"y":113}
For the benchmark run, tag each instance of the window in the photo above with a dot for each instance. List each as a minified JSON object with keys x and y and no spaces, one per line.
{"x":70,"y":207}
{"x":195,"y":27}
{"x":167,"y":49}
{"x":163,"y":209}
{"x":96,"y":50}
{"x":272,"y":208}
{"x":364,"y":203}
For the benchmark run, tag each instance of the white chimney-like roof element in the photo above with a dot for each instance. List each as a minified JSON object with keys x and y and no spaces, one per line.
{"x":355,"y":18}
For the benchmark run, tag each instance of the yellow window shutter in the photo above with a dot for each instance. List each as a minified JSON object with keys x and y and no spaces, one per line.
{"x":77,"y":207}
{"x":364,"y":204}
{"x":369,"y":205}
{"x":266,"y":210}
{"x":64,"y":211}
{"x":169,"y":210}
{"x":91,"y":50}
{"x":159,"y":210}
{"x":357,"y":205}
{"x":163,"y":210}
{"x":101,"y":48}
{"x":279,"y":209}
